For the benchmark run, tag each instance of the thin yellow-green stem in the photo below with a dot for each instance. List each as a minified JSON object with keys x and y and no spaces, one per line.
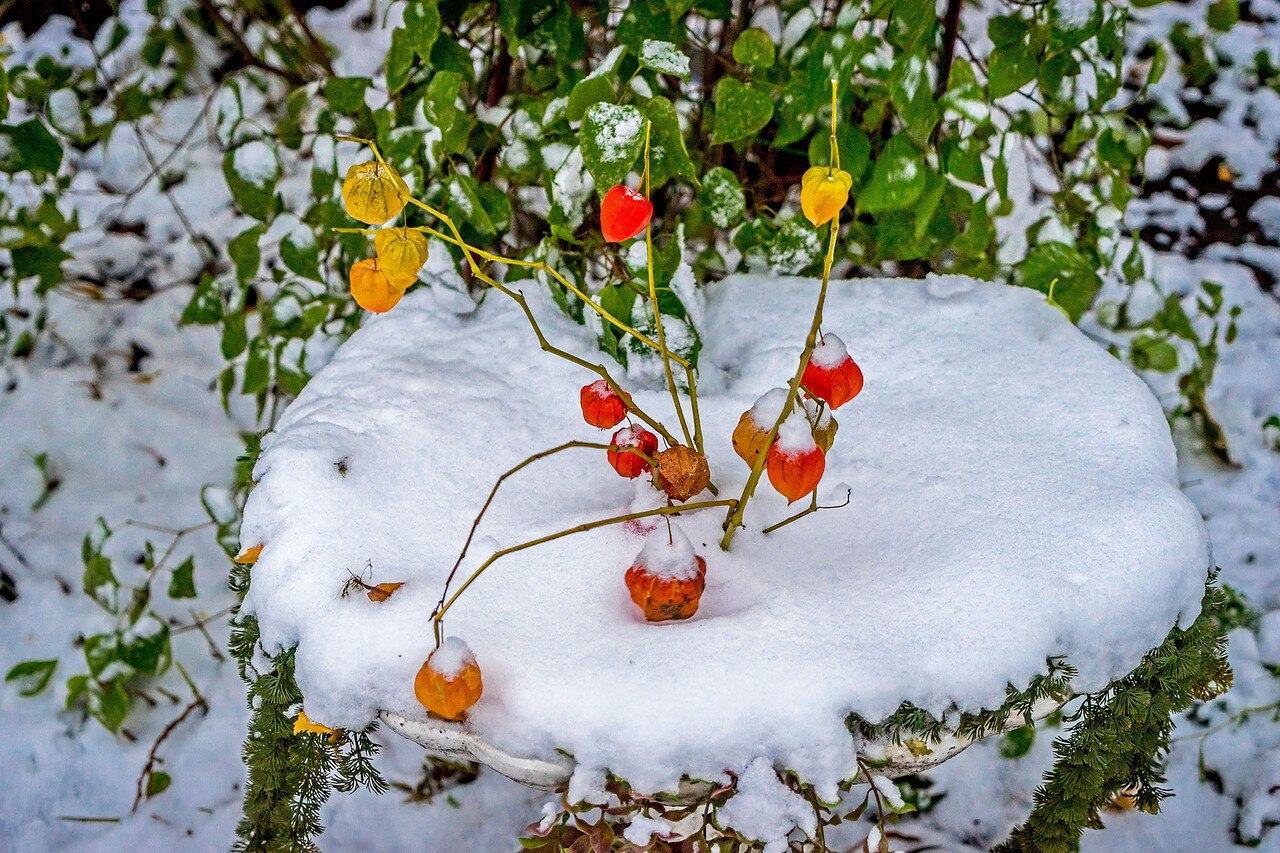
{"x":514,"y":469}
{"x":520,"y":300}
{"x":734,"y":519}
{"x":657,"y":313}
{"x":438,"y":618}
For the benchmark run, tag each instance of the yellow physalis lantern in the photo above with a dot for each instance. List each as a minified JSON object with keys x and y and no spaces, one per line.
{"x":373,"y":192}
{"x":401,"y":251}
{"x":824,"y":192}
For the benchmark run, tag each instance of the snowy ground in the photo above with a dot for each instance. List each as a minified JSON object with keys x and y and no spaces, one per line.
{"x":137,"y":442}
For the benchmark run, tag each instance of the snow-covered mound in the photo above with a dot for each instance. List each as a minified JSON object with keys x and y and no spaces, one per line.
{"x":1013,"y":497}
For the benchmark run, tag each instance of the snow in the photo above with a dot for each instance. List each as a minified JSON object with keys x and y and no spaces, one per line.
{"x":765,"y":410}
{"x":795,"y":436}
{"x":829,"y":353}
{"x":255,"y":162}
{"x":665,"y":57}
{"x":766,"y":810}
{"x":668,"y":554}
{"x":618,"y":129}
{"x":998,"y":503}
{"x":452,"y":657}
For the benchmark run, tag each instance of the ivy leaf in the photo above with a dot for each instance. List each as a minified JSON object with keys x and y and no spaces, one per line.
{"x":1151,"y":353}
{"x":897,"y":179}
{"x":591,"y":90}
{"x":32,"y":676}
{"x":109,"y":704}
{"x":668,"y":155}
{"x":722,"y":197}
{"x":302,"y":257}
{"x":741,"y":111}
{"x":1223,"y":14}
{"x":665,"y":58}
{"x":257,"y":369}
{"x":399,"y":59}
{"x":1077,"y":282}
{"x":755,"y":48}
{"x":612,"y":137}
{"x":182,"y":583}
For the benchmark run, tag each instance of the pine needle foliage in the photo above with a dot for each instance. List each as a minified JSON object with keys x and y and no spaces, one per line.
{"x":290,"y":776}
{"x":1118,"y":737}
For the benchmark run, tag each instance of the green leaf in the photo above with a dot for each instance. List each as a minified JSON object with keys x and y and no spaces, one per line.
{"x":722,"y":197}
{"x":99,"y":581}
{"x":1223,"y":14}
{"x":252,"y":180}
{"x":235,"y":337}
{"x":257,"y":369}
{"x":147,"y":653}
{"x":302,"y":257}
{"x":109,"y":704}
{"x":182,"y":583}
{"x":32,"y":676}
{"x":855,"y":150}
{"x":422,"y":26}
{"x":100,"y":651}
{"x":346,"y":94}
{"x":157,"y":783}
{"x":612,"y":137}
{"x":205,"y":307}
{"x":246,"y":256}
{"x":741,"y":111}
{"x":1010,"y":69}
{"x":399,"y":59}
{"x":36,"y":148}
{"x":1151,"y":353}
{"x":910,"y":90}
{"x":669,"y":158}
{"x":1017,"y":743}
{"x":1077,"y":282}
{"x":591,"y":90}
{"x":897,"y":179}
{"x":42,"y":261}
{"x":665,"y":58}
{"x":755,"y":48}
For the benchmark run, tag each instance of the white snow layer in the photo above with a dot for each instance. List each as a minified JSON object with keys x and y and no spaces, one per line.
{"x":1014,"y":498}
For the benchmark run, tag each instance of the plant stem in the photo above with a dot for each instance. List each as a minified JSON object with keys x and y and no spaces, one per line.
{"x":493,"y":492}
{"x":578,"y":528}
{"x":811,"y":508}
{"x":517,"y":296}
{"x":653,"y":301}
{"x":734,"y":519}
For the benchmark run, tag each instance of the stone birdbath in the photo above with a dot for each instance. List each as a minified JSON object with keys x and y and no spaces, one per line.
{"x":1002,"y":529}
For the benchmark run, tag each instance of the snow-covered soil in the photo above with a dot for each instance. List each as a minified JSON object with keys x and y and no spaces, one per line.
{"x":138,"y":443}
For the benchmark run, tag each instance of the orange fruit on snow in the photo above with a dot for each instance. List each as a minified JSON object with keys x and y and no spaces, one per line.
{"x":627,"y":464}
{"x":449,"y":681}
{"x":831,"y":375}
{"x":667,"y":578}
{"x":248,"y":556}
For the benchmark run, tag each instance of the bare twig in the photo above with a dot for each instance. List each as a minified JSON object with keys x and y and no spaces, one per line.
{"x":153,"y":756}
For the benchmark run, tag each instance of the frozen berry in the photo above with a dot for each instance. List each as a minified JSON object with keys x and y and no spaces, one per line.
{"x":601,"y":405}
{"x":624,"y":213}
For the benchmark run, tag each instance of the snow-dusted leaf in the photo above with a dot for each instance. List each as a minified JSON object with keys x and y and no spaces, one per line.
{"x":1074,"y":278}
{"x":251,"y":171}
{"x":612,"y":138}
{"x":722,"y":197}
{"x":665,"y":58}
